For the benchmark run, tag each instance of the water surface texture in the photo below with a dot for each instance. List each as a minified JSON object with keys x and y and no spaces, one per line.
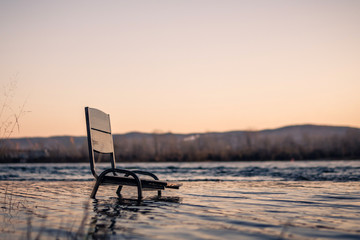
{"x":201,"y":171}
{"x":253,"y":200}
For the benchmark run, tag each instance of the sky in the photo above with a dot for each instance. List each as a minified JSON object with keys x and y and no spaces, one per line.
{"x":181,"y":66}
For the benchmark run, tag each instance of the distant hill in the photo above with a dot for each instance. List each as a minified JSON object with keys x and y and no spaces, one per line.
{"x":296,"y":132}
{"x":304,"y":132}
{"x":285,"y":142}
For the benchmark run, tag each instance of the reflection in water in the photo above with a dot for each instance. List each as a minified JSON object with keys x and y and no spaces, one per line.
{"x":107,"y":212}
{"x":109,"y":215}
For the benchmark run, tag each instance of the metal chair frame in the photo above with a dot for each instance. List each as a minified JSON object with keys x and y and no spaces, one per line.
{"x":100,"y":141}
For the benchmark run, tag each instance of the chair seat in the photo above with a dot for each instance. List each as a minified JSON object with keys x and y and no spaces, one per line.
{"x":174,"y":185}
{"x":146,"y":183}
{"x":129,"y":181}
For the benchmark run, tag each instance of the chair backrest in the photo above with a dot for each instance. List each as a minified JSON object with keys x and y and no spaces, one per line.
{"x":99,"y":136}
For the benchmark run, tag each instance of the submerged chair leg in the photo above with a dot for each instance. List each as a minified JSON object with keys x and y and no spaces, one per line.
{"x":96,"y":187}
{"x":151,"y":175}
{"x":128,"y":173}
{"x":139,"y":191}
{"x":118,"y":191}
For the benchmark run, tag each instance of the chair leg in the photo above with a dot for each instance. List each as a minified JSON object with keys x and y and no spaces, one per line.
{"x":139,"y":192}
{"x":129,"y":173}
{"x":96,"y":186}
{"x":118,"y":191}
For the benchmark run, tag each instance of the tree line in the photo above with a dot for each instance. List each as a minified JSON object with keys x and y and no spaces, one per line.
{"x":232,"y":146}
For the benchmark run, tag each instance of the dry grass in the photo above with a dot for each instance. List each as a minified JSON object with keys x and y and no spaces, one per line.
{"x":9,"y":115}
{"x":14,"y":209}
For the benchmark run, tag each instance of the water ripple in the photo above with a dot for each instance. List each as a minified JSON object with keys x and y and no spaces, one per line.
{"x":339,"y":171}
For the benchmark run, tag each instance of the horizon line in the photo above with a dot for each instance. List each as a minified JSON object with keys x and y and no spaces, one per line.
{"x":190,"y":133}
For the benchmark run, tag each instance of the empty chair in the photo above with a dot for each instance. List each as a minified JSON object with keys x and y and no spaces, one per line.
{"x":100,"y":142}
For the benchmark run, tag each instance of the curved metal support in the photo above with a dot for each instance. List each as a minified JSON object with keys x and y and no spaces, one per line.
{"x":128,"y":173}
{"x":146,"y":173}
{"x":149,"y":174}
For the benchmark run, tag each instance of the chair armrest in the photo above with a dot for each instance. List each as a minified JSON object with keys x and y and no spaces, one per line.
{"x":117,"y":170}
{"x":127,"y":173}
{"x":146,"y":174}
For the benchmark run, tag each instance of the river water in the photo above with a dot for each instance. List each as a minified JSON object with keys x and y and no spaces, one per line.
{"x":229,"y":200}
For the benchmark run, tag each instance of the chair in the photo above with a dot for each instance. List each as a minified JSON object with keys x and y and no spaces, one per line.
{"x":100,"y":143}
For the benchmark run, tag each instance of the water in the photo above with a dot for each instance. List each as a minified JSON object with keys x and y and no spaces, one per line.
{"x":233,"y":200}
{"x":343,"y":171}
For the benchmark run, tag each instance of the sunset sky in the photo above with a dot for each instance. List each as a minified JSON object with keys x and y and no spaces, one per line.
{"x":181,"y":66}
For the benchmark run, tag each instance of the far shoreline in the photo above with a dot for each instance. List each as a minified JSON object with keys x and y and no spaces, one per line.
{"x":195,"y":161}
